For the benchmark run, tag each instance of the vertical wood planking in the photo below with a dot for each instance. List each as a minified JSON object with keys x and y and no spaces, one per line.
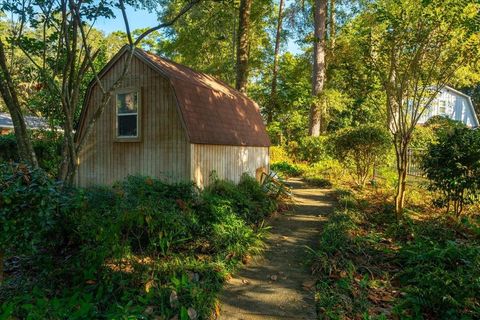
{"x":227,"y":161}
{"x":163,"y":148}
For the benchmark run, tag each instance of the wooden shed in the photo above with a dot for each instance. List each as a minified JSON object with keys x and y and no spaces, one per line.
{"x":170,"y":122}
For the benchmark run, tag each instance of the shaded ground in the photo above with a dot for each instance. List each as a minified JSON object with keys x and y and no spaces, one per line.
{"x":277,"y":284}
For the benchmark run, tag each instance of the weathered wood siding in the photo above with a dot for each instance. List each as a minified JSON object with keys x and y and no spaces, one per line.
{"x":229,"y":162}
{"x":163,"y":150}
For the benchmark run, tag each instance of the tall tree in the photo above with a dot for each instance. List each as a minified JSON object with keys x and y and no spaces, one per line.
{"x":332,"y":25}
{"x":65,"y":58}
{"x":416,"y":48}
{"x":9,"y":95}
{"x":9,"y":88}
{"x":278,"y":36}
{"x":319,"y":71}
{"x":243,"y":45}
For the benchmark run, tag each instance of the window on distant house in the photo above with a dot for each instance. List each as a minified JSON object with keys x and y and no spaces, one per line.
{"x":127,"y":114}
{"x":442,"y":107}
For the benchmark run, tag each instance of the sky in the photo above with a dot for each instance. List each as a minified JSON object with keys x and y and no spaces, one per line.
{"x":138,"y":19}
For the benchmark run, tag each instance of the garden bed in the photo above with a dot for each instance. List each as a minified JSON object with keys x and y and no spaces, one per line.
{"x":140,"y":249}
{"x":372,"y":266}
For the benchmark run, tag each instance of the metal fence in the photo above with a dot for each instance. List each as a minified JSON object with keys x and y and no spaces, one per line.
{"x":414,"y":162}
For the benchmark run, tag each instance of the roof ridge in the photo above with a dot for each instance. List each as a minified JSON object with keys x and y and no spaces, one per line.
{"x":232,"y":90}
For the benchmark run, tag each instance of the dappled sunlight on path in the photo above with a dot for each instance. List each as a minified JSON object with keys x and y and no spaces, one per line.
{"x":277,"y":284}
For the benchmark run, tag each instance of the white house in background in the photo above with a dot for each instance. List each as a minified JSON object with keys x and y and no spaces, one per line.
{"x":454,"y":105}
{"x":32,"y":123}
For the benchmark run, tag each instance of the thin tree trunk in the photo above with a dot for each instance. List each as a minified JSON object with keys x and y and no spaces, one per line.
{"x":402,"y":162}
{"x":318,"y":78}
{"x":243,"y":45}
{"x":273,"y":95}
{"x":10,"y":97}
{"x":332,"y":25}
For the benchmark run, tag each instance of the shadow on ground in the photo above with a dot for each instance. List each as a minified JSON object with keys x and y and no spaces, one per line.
{"x":277,"y":284}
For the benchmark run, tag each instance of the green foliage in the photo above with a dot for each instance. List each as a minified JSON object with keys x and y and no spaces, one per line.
{"x":214,"y":25}
{"x":248,"y":199}
{"x":325,"y":172}
{"x":47,"y":146}
{"x":314,"y":149}
{"x":278,"y":154}
{"x":423,"y":137}
{"x":156,"y":249}
{"x":30,"y":204}
{"x":441,"y":279}
{"x":453,"y":167}
{"x":360,"y":148}
{"x":442,"y":125}
{"x":286,"y":168}
{"x":369,"y":264}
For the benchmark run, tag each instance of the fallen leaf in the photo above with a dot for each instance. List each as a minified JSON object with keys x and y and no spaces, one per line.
{"x":173,"y":299}
{"x":149,"y":285}
{"x":217,"y":309}
{"x":245,"y":281}
{"x":246,"y":259}
{"x":192,"y":313}
{"x":308,"y":284}
{"x":148,"y":310}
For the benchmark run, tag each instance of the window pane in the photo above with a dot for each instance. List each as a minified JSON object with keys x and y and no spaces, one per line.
{"x":127,"y":126}
{"x":127,"y":102}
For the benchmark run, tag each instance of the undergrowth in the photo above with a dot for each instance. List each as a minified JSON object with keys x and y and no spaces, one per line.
{"x":371,"y":266}
{"x":140,"y":249}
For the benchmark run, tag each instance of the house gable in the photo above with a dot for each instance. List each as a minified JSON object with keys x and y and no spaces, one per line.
{"x":162,"y":149}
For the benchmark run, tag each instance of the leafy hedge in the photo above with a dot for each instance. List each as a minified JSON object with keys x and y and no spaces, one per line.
{"x":140,"y":249}
{"x":47,"y":146}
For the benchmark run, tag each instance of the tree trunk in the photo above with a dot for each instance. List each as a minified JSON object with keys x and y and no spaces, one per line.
{"x":10,"y":97}
{"x":402,"y":162}
{"x":318,"y":78}
{"x":273,"y":95}
{"x":332,"y":25}
{"x":243,"y":45}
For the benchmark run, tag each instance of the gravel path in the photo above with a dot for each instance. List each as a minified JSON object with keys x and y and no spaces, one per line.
{"x":277,"y":284}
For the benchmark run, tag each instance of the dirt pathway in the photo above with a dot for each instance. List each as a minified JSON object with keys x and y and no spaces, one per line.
{"x":277,"y":284}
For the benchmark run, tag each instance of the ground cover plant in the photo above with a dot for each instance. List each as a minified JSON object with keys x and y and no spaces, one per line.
{"x":372,"y":266}
{"x":140,"y":249}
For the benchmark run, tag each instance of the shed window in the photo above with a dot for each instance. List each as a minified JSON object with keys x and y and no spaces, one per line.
{"x":127,"y":107}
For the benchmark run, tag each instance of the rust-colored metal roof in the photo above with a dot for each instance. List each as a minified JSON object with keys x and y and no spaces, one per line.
{"x":212,"y":111}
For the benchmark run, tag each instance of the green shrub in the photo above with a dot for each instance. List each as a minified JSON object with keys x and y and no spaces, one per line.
{"x":286,"y":168}
{"x":47,"y":146}
{"x":279,"y":154}
{"x":453,"y":168}
{"x":8,"y":148}
{"x":360,"y":148}
{"x":248,"y":199}
{"x":30,"y":209}
{"x":441,"y":279}
{"x":443,"y":124}
{"x":423,"y":137}
{"x":314,"y":149}
{"x":135,"y":243}
{"x":327,"y":170}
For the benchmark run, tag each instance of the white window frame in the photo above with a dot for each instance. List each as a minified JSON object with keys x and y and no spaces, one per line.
{"x":442,"y":104}
{"x":136,"y":138}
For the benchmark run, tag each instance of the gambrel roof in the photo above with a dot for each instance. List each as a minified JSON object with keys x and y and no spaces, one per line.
{"x":212,"y":112}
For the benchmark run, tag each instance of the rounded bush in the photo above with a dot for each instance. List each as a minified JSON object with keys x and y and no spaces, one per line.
{"x":361,"y":148}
